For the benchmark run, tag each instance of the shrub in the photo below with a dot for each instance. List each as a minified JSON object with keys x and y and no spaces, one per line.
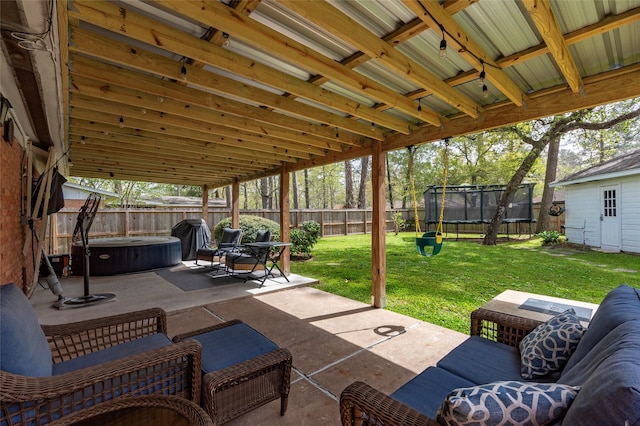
{"x":549,"y":237}
{"x":303,"y":240}
{"x":398,"y":221}
{"x":250,"y":226}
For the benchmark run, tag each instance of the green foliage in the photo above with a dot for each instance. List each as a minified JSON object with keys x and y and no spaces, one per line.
{"x":303,"y":240}
{"x":549,"y":237}
{"x":250,"y":226}
{"x":398,"y":221}
{"x":444,"y":289}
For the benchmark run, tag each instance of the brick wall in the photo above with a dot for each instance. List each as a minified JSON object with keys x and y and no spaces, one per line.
{"x":14,"y":266}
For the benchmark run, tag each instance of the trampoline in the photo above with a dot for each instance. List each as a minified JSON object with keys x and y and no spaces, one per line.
{"x":476,"y":204}
{"x":120,"y":255}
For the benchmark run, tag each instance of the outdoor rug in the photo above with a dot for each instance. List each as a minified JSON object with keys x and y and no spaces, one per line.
{"x":190,"y":279}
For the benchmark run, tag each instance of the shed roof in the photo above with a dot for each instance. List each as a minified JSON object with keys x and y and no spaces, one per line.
{"x":623,"y":165}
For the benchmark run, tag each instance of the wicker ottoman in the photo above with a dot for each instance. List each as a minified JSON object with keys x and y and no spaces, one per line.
{"x":242,"y":370}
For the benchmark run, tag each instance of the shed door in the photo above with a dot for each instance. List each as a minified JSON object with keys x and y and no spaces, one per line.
{"x":610,"y":217}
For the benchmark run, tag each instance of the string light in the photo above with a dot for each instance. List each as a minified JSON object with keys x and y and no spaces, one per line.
{"x":337,"y":134}
{"x":443,"y":44}
{"x":143,"y":110}
{"x":482,"y":75}
{"x":160,"y":99}
{"x":226,"y":41}
{"x":183,"y":71}
{"x":83,"y":140}
{"x":485,"y":91}
{"x":420,"y":107}
{"x":373,"y":126}
{"x":121,"y":124}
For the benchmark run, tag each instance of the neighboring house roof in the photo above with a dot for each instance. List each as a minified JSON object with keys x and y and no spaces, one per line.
{"x":70,"y":191}
{"x":623,"y":165}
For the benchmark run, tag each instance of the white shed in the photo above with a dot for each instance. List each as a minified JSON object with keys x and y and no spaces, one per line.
{"x":603,"y":204}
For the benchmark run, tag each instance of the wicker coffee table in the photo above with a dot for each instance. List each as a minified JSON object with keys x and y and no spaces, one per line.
{"x":242,"y":370}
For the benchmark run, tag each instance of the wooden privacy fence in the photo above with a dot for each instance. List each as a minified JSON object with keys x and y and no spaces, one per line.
{"x":140,"y":222}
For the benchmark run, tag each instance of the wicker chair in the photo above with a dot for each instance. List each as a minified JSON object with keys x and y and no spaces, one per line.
{"x":51,"y":371}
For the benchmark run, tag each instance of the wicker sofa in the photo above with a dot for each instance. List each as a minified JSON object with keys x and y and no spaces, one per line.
{"x":605,"y":365}
{"x":48,"y":372}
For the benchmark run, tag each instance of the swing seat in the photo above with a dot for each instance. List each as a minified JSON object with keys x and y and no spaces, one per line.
{"x":429,"y":239}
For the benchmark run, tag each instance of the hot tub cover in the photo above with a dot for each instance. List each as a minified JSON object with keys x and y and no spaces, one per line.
{"x":193,"y":233}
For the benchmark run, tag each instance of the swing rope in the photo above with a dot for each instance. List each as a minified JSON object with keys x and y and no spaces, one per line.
{"x":413,"y":192}
{"x":444,"y":190}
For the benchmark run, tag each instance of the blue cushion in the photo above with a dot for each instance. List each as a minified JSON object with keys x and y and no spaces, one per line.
{"x":24,"y":349}
{"x":120,"y":351}
{"x":231,"y":345}
{"x":610,"y":379}
{"x":426,"y":391}
{"x":507,"y":403}
{"x":547,"y":347}
{"x":620,"y":305}
{"x":481,"y":361}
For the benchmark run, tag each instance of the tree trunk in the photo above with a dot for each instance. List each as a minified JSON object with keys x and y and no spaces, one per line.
{"x":325,"y":201}
{"x":227,"y":191}
{"x":543,"y":222}
{"x":307,"y":203}
{"x":348,"y":183}
{"x":294,"y":183}
{"x":264,"y":192}
{"x":491,"y":237}
{"x":246,"y":195}
{"x":362,"y":191}
{"x":389,"y":181}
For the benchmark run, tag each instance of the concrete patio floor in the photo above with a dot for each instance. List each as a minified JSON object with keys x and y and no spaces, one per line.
{"x":334,"y":341}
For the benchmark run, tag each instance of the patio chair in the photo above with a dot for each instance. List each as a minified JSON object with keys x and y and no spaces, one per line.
{"x":50,"y":371}
{"x":249,"y":259}
{"x":229,"y":242}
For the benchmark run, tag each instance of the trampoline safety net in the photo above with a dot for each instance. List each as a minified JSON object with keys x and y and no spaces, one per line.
{"x":477,"y":204}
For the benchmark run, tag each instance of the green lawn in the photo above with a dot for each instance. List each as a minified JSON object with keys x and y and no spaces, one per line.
{"x":444,"y":289}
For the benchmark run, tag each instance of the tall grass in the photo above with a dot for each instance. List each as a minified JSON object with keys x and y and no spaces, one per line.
{"x":444,"y":289}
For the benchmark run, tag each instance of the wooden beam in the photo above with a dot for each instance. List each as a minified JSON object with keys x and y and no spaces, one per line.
{"x":148,"y":102}
{"x":434,"y":14}
{"x":261,"y":142}
{"x":109,"y":16}
{"x":165,"y":90}
{"x":261,"y":36}
{"x":378,"y":228}
{"x":327,"y":16}
{"x":235,"y":204}
{"x":603,"y":89}
{"x":129,"y":57}
{"x":285,"y":220}
{"x":545,"y":21}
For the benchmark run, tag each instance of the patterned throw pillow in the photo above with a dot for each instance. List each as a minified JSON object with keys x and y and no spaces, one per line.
{"x":548,"y":347}
{"x":507,"y":403}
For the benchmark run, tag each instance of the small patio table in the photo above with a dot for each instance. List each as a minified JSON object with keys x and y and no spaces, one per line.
{"x":264,"y":252}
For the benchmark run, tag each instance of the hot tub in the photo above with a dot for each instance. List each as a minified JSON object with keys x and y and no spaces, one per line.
{"x":111,"y":256}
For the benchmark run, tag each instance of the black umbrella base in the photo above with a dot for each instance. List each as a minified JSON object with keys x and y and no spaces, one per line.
{"x":82,"y":301}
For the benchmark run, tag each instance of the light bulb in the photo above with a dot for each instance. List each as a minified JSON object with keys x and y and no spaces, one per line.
{"x":121,"y":123}
{"x":373,"y":126}
{"x":226,"y":41}
{"x":443,"y":48}
{"x":83,"y":140}
{"x":485,"y":91}
{"x":420,"y":107}
{"x":160,"y":99}
{"x":481,"y":78}
{"x":143,"y":110}
{"x":183,"y":72}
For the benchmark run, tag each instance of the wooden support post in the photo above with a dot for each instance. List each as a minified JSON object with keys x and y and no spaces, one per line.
{"x":205,"y":203}
{"x":378,"y":229}
{"x":285,"y":220}
{"x":235,"y":205}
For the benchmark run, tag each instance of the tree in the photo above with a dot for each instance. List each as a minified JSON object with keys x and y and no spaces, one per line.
{"x":294,"y":184}
{"x":539,"y":134}
{"x":362,"y":192}
{"x":348,"y":184}
{"x":307,"y":203}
